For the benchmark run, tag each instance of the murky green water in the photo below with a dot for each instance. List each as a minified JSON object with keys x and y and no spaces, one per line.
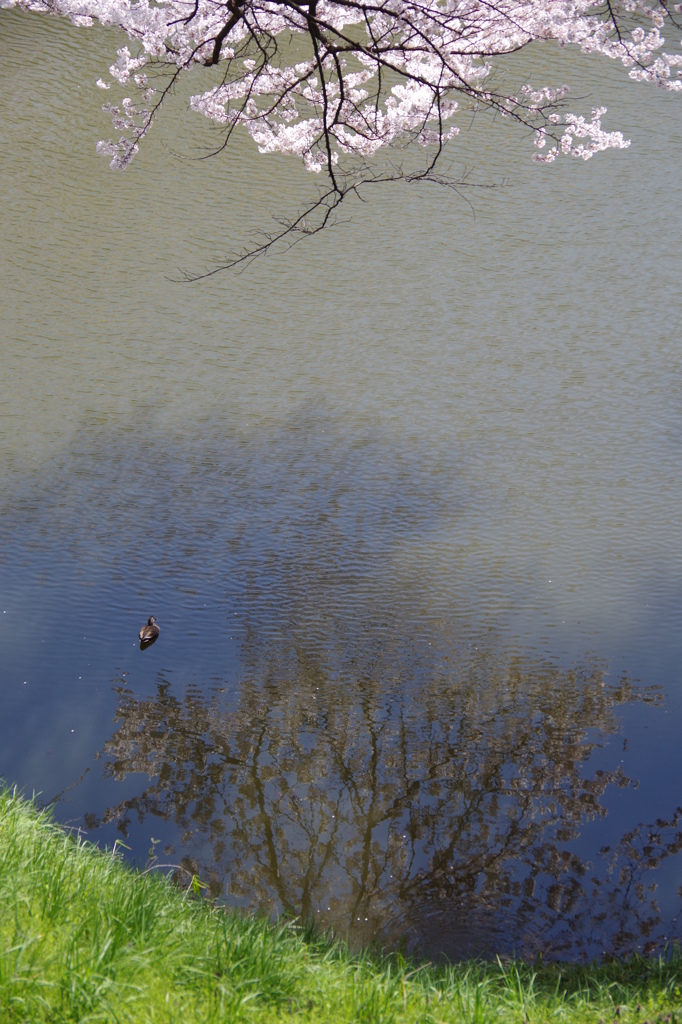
{"x":405,"y":502}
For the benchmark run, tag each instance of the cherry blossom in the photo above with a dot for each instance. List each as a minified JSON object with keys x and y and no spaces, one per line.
{"x":334,"y":81}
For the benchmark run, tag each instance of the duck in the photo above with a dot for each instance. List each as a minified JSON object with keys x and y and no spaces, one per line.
{"x":150,"y":631}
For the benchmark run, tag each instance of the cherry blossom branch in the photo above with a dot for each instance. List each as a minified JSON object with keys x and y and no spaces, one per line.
{"x":324,"y":208}
{"x":335,"y":81}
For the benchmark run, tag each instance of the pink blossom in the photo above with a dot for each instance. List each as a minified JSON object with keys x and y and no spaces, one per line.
{"x":359,"y":76}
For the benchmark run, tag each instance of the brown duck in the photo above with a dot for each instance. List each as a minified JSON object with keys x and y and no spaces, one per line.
{"x":150,"y":631}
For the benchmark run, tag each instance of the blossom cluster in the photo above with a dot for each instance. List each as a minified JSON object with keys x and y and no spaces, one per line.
{"x":324,"y":79}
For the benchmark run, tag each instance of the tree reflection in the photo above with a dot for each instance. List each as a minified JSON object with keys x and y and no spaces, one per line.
{"x":438,"y":818}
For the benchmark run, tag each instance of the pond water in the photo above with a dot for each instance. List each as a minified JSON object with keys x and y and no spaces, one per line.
{"x":405,"y":502}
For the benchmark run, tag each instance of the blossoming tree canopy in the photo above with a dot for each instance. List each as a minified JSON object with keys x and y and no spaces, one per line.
{"x":334,"y":81}
{"x":330,"y":78}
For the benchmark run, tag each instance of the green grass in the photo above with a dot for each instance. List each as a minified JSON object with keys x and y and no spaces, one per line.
{"x":83,"y":938}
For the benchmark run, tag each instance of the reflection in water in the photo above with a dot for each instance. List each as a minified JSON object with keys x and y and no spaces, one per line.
{"x":366,"y":458}
{"x":439,"y":821}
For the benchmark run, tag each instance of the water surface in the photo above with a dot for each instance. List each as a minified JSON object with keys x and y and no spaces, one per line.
{"x":404,"y":501}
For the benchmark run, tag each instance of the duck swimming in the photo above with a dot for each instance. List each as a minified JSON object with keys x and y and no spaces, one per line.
{"x":150,"y":631}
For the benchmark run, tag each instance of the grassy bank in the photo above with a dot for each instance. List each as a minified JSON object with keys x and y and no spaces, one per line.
{"x":83,"y":938}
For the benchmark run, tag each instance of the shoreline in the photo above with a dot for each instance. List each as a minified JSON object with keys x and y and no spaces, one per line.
{"x":87,"y":938}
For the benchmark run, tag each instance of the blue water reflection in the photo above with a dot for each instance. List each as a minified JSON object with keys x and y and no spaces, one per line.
{"x":315,"y":732}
